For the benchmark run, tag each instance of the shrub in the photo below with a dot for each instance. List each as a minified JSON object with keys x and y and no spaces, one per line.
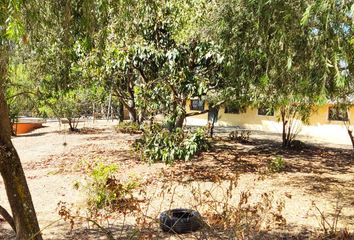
{"x":159,"y":144}
{"x":128,"y":127}
{"x":103,"y":189}
{"x":277,"y":164}
{"x":240,"y":136}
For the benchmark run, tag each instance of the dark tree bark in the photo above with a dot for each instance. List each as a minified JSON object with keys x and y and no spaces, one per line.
{"x":5,"y":214}
{"x":212,"y":117}
{"x":120,"y":112}
{"x":180,"y":117}
{"x":180,"y":120}
{"x":24,"y":215}
{"x":133,"y":116}
{"x":285,"y":136}
{"x":350,"y":133}
{"x":73,"y":124}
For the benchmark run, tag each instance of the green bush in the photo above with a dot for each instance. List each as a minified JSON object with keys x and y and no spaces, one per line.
{"x":277,"y":164}
{"x":103,"y":189}
{"x":159,"y":144}
{"x":128,"y":127}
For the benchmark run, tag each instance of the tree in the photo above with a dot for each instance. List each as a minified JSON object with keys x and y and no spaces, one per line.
{"x":269,"y":58}
{"x":118,"y":74}
{"x":21,"y":92}
{"x":23,"y":221}
{"x":173,"y":68}
{"x":330,"y":28}
{"x":57,"y":49}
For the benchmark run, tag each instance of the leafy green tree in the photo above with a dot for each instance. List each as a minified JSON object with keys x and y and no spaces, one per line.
{"x":59,"y":45}
{"x":269,"y":58}
{"x":173,"y":68}
{"x":330,"y":27}
{"x":23,"y":221}
{"x":21,"y":92}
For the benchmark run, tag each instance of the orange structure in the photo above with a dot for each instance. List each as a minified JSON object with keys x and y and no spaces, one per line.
{"x":21,"y":128}
{"x":27,"y":124}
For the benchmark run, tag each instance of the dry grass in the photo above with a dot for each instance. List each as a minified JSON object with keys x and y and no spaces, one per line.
{"x":270,"y":199}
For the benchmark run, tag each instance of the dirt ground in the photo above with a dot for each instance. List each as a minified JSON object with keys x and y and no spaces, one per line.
{"x":320,"y":173}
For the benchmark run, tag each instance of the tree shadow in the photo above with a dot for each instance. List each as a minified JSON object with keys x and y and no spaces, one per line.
{"x":316,"y":170}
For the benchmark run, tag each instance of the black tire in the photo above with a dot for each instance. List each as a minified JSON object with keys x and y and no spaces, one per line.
{"x":180,"y":220}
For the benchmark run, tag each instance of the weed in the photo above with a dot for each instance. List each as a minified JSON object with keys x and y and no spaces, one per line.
{"x":240,"y":136}
{"x":329,"y":224}
{"x":104,"y":190}
{"x":276,"y":165}
{"x":128,"y":127}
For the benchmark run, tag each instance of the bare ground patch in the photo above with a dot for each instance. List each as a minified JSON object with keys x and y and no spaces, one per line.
{"x":311,"y":175}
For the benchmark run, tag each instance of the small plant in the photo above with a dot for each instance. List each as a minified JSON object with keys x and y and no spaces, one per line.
{"x":159,"y":144}
{"x":240,"y":136}
{"x":104,"y":190}
{"x":329,"y":223}
{"x":128,"y":127}
{"x":277,"y":164}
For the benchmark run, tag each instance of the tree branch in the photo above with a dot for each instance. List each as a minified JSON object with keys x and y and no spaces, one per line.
{"x":7,"y":218}
{"x":21,"y":93}
{"x":142,"y":74}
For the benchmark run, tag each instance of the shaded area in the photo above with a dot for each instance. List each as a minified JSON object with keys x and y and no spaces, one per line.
{"x":5,"y":231}
{"x":229,"y":157}
{"x":323,"y":172}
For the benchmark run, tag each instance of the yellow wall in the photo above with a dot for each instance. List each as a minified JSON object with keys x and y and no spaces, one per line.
{"x":249,"y":117}
{"x":319,"y":126}
{"x":319,"y":117}
{"x":198,"y":117}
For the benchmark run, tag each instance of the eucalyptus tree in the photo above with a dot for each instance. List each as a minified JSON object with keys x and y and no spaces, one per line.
{"x":63,"y":35}
{"x":269,"y":58}
{"x":23,"y":220}
{"x":21,"y":92}
{"x":330,"y":25}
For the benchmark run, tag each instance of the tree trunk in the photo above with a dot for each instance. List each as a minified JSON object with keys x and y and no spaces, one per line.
{"x":120,"y":112}
{"x":181,"y":116}
{"x":17,"y":191}
{"x":73,"y":124}
{"x":285,"y":141}
{"x":350,"y":133}
{"x":7,"y":218}
{"x":133,"y":116}
{"x":212,"y":117}
{"x":180,"y":120}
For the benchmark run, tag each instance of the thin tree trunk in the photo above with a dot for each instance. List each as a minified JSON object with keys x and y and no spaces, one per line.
{"x":120,"y":112}
{"x":180,"y":120}
{"x":109,"y":105}
{"x":133,"y":116}
{"x":93,"y":112}
{"x":350,"y":133}
{"x":71,"y":123}
{"x":7,"y":218}
{"x":17,"y":191}
{"x":130,"y":105}
{"x":214,"y":111}
{"x":284,"y":122}
{"x":182,"y":116}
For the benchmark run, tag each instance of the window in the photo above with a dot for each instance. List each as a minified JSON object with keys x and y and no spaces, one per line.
{"x":197,"y":105}
{"x":263,"y":111}
{"x":234,"y":109}
{"x":337,"y":114}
